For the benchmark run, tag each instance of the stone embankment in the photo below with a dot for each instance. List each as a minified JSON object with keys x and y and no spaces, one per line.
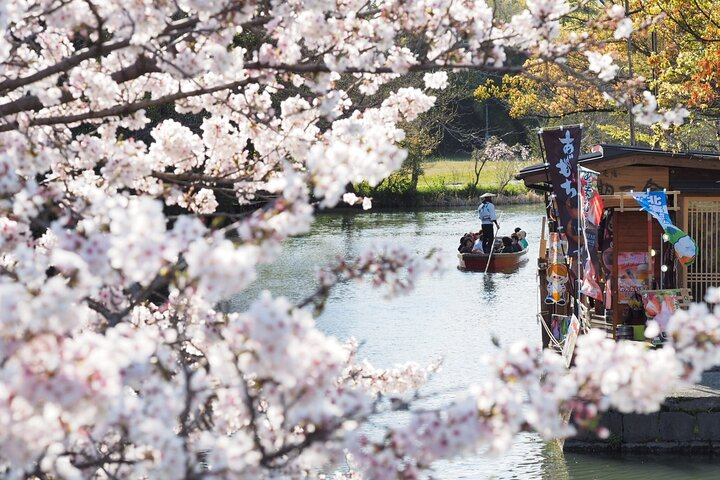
{"x":688,"y":422}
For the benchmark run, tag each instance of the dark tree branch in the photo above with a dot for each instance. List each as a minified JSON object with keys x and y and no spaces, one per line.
{"x":64,"y":65}
{"x":197,"y":177}
{"x":423,"y":67}
{"x":571,"y":112}
{"x":31,"y":103}
{"x":126,"y":109}
{"x":147,"y":65}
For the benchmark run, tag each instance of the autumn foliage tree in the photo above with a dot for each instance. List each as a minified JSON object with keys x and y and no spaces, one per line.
{"x":666,"y":48}
{"x":684,"y":54}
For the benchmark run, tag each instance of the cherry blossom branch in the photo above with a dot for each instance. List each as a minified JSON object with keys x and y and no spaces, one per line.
{"x":28,"y":103}
{"x":249,"y":400}
{"x":385,"y":266}
{"x":125,"y":109}
{"x":100,"y":49}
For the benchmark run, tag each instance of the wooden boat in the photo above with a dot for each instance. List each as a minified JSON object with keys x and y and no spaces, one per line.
{"x":499,"y":262}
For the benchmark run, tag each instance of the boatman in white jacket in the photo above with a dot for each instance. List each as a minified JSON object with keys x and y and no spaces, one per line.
{"x":486,"y":212}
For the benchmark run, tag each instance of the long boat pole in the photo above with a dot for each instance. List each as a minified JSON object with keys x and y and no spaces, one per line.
{"x":492,"y":244}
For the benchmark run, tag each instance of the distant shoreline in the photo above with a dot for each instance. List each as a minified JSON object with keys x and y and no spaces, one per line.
{"x":446,"y":200}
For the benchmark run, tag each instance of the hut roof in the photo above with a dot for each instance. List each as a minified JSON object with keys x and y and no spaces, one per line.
{"x":604,"y":157}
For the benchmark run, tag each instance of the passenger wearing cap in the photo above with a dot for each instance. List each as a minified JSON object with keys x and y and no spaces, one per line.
{"x":488,"y":217}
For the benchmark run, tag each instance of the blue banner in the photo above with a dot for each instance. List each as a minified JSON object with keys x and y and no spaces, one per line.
{"x":655,"y":203}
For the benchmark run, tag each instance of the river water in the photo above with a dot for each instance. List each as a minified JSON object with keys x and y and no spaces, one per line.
{"x":454,"y":316}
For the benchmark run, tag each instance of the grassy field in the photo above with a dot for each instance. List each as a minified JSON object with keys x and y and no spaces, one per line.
{"x":448,"y":182}
{"x":457,"y":172}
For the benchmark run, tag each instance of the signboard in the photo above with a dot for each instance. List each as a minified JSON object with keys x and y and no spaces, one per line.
{"x":633,"y":274}
{"x":562,"y":147}
{"x":570,"y":340}
{"x":631,"y":178}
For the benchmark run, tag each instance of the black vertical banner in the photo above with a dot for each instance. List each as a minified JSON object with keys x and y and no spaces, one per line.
{"x":562,"y":147}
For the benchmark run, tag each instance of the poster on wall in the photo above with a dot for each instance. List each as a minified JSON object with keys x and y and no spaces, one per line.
{"x":633,"y":274}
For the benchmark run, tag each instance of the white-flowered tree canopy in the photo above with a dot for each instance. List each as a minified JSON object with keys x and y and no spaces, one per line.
{"x":153,"y":153}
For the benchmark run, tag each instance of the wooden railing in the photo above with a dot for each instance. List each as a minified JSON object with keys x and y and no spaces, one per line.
{"x":624,"y":201}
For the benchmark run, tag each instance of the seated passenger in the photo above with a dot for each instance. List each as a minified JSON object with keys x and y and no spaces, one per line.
{"x":497,"y":245}
{"x":477,"y":246}
{"x":523,"y":242}
{"x":468,"y":247}
{"x":506,"y":245}
{"x":463,"y":241}
{"x":515,"y":242}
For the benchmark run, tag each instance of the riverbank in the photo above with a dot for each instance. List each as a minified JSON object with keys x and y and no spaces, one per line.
{"x":449,"y":198}
{"x":450,"y":182}
{"x":687,"y":422}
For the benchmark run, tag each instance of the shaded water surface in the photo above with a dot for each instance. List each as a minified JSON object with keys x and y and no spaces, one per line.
{"x":455,"y":317}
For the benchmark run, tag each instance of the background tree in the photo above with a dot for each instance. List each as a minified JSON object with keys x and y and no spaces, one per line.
{"x":682,"y":54}
{"x":419,"y":144}
{"x":448,"y":126}
{"x":510,"y":159}
{"x":668,"y":58}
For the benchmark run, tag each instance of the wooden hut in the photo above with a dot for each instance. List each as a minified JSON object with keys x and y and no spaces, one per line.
{"x":691,"y":181}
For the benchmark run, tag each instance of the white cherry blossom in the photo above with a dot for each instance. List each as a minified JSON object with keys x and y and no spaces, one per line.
{"x":602,"y":64}
{"x":154,"y":154}
{"x":437,"y":80}
{"x":624,"y":29}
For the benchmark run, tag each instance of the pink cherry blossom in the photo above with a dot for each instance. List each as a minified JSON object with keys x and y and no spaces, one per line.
{"x":153,"y":155}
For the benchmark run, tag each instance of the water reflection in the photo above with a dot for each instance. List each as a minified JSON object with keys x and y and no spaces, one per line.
{"x":455,"y":316}
{"x":489,"y":287}
{"x":347,"y":227}
{"x":641,"y":467}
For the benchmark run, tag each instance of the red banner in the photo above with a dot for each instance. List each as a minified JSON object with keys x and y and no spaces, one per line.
{"x":590,"y":215}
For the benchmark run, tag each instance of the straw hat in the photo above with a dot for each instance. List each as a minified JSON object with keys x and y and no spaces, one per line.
{"x":486,"y":195}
